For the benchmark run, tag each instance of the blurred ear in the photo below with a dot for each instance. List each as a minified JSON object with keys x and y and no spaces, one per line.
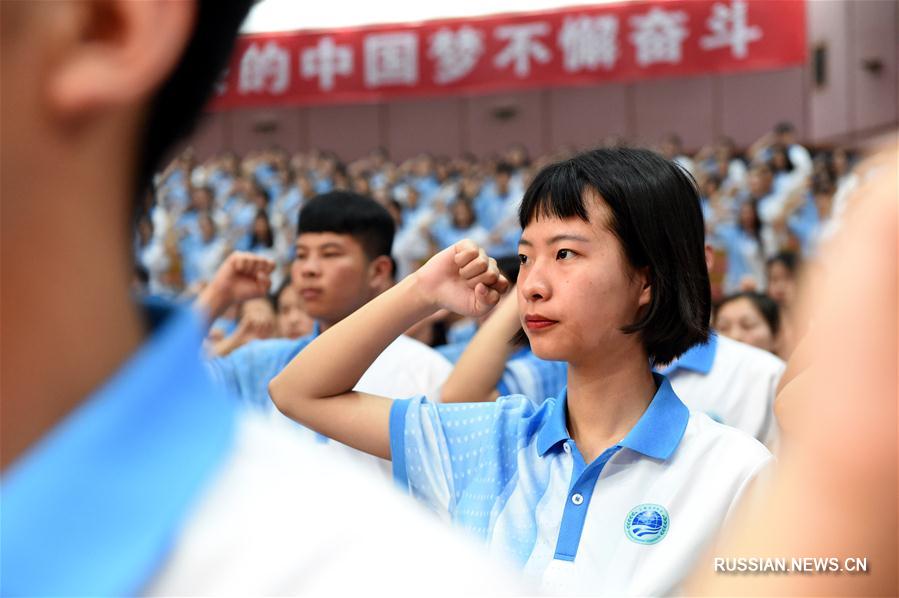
{"x":117,"y":53}
{"x":646,"y":288}
{"x":381,"y":273}
{"x":709,"y":257}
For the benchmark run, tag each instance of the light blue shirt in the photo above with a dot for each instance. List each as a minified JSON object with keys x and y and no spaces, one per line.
{"x":804,"y":223}
{"x":528,"y":375}
{"x":470,"y":460}
{"x":246,"y":371}
{"x":745,"y":255}
{"x":452,"y":351}
{"x":445,"y":233}
{"x":631,"y":522}
{"x":462,"y":333}
{"x":95,"y":506}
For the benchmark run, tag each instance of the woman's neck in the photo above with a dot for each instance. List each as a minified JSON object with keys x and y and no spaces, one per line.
{"x":606,"y":397}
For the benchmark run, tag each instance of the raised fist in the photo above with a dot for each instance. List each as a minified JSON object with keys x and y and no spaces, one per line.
{"x":462,"y":279}
{"x":241,"y":276}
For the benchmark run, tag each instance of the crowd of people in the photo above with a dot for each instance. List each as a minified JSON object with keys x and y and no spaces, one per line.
{"x":530,"y":348}
{"x":766,"y":211}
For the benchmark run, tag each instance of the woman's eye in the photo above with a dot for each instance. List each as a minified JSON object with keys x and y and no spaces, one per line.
{"x":564,"y":254}
{"x":522,"y":259}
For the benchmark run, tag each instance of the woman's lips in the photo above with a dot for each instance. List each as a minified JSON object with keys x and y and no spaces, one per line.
{"x":538,"y":322}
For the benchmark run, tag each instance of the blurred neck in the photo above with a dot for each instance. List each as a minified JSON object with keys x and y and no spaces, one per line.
{"x":69,"y":321}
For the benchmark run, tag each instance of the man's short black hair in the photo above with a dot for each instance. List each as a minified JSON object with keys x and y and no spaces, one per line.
{"x":348,"y":213}
{"x":178,"y":103}
{"x":656,"y":215}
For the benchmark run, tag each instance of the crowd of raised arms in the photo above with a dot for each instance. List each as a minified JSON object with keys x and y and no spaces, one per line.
{"x":766,"y":211}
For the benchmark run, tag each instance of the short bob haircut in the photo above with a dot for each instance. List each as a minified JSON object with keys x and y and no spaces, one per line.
{"x":656,"y":215}
{"x":763,"y":304}
{"x":348,"y":213}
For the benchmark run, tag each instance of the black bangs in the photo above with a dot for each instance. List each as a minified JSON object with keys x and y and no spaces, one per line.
{"x":655,"y":213}
{"x":556,"y":192}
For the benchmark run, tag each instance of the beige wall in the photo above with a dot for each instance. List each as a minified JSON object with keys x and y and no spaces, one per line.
{"x":853,"y":103}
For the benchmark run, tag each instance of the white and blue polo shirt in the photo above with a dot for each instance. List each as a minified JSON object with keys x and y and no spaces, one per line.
{"x":631,"y":522}
{"x":160,"y":484}
{"x":96,"y":505}
{"x":734,"y":383}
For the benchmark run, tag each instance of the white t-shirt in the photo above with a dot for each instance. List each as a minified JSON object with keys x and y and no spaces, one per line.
{"x":288,"y":517}
{"x":406,"y":368}
{"x":737,"y":389}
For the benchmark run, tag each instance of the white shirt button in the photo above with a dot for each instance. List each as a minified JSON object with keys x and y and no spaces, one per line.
{"x":566,"y":447}
{"x":577,"y":499}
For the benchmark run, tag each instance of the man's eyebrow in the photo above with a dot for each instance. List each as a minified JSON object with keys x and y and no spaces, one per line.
{"x":329,"y":245}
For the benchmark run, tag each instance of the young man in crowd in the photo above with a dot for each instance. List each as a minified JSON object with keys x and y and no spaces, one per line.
{"x":124,"y":469}
{"x":342,"y":262}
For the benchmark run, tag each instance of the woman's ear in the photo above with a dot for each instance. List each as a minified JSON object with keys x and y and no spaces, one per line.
{"x":646,"y":289}
{"x":117,"y":53}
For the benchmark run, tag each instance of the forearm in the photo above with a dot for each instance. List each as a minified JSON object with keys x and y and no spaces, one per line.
{"x":336,"y":360}
{"x":210,"y":305}
{"x":479,"y":369}
{"x":315,"y":388}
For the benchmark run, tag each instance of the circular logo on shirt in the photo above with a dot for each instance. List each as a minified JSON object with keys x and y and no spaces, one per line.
{"x":646,"y":524}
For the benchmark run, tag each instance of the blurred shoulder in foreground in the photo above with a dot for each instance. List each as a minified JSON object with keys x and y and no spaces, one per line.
{"x":834,"y":491}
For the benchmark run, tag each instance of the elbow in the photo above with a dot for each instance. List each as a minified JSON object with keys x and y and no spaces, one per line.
{"x":276,"y":392}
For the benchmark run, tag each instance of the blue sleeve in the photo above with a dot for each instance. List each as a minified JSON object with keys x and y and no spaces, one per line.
{"x":438,"y":449}
{"x":535,"y":378}
{"x":804,"y":223}
{"x":246,"y":372}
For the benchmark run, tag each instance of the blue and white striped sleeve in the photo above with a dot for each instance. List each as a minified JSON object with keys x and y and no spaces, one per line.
{"x":438,"y":449}
{"x":535,"y":378}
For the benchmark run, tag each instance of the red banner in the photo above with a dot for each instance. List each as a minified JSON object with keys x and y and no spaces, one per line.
{"x":573,"y":46}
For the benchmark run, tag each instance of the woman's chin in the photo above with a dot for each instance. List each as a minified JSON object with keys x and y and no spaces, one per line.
{"x":548,"y":351}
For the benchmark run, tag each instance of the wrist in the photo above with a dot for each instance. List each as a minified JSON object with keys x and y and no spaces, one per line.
{"x":420,"y":302}
{"x":211,"y":301}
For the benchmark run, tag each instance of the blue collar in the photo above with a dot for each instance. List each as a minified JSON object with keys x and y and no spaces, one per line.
{"x":95,"y":506}
{"x":656,"y":434}
{"x":699,"y":358}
